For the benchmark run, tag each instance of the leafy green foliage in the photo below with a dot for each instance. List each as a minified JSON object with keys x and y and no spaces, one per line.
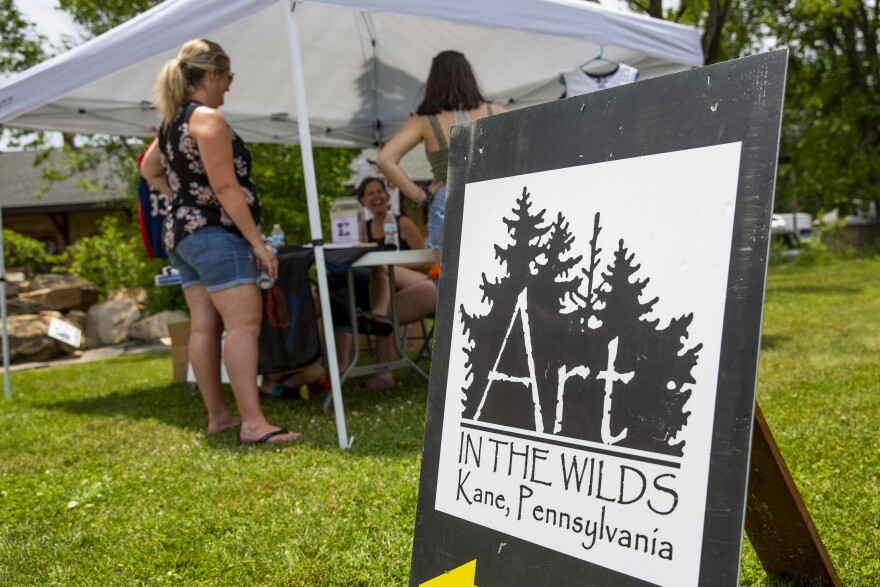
{"x":278,"y":175}
{"x":20,"y":43}
{"x":832,"y":123}
{"x":25,"y":252}
{"x":21,"y":47}
{"x":111,"y":259}
{"x":831,"y":136}
{"x":99,"y":17}
{"x":116,"y":258}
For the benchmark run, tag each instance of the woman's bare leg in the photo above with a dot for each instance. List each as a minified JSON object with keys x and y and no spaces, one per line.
{"x":380,"y":291}
{"x":241,"y":308}
{"x":204,"y":353}
{"x":343,"y":349}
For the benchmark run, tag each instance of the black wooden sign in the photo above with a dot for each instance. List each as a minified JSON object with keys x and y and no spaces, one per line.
{"x":593,"y":386}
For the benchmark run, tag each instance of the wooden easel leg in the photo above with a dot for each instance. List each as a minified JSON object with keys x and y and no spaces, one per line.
{"x":777,"y":521}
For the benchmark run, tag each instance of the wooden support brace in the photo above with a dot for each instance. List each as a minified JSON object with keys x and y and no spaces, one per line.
{"x":777,"y":521}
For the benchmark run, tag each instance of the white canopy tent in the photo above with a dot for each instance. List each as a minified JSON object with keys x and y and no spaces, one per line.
{"x":358,"y":64}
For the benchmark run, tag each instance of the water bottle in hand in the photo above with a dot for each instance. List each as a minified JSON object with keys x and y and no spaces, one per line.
{"x":392,"y":238}
{"x":265,"y":281}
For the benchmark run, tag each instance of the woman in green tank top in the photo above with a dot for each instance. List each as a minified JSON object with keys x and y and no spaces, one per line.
{"x":451,"y":96}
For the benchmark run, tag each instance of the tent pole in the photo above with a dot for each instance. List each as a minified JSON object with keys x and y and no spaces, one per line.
{"x":7,"y":385}
{"x":305,"y":142}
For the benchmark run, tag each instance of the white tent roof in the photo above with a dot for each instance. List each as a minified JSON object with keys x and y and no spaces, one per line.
{"x":365,"y":62}
{"x":358,"y":64}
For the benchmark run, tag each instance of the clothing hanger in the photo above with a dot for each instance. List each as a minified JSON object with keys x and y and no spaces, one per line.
{"x":600,"y":65}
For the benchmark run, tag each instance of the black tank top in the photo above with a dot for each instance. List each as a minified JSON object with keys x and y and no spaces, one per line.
{"x":193,"y":203}
{"x":381,"y":241}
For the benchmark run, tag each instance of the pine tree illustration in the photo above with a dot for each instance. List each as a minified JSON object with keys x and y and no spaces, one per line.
{"x":582,"y":396}
{"x":487,"y":332}
{"x":648,"y":409}
{"x":554,"y":284}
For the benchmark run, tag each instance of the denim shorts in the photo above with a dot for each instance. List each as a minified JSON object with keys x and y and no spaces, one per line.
{"x":215,"y":257}
{"x":436,"y":217}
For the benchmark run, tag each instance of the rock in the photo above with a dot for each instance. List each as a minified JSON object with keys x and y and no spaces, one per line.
{"x":64,"y":298}
{"x":29,"y":339}
{"x":61,"y":291}
{"x":12,"y":290}
{"x":108,"y":322}
{"x":156,"y":326}
{"x":138,"y":294}
{"x":15,"y":277}
{"x":78,"y":318}
{"x":58,"y":280}
{"x":18,"y":306}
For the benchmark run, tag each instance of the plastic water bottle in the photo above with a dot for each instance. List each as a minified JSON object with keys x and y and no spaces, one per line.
{"x":277,"y":236}
{"x":392,"y":238}
{"x":265,"y":281}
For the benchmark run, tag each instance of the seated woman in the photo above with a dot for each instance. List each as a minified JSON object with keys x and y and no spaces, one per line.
{"x":416,"y":294}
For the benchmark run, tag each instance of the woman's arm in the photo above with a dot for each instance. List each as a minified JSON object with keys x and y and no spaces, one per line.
{"x":394,"y":150}
{"x":214,"y":138}
{"x":152,"y":169}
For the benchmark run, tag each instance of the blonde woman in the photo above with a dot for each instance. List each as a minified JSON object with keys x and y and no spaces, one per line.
{"x":212,"y":233}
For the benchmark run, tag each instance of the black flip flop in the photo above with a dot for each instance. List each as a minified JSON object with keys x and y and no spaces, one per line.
{"x":371,"y":324}
{"x":266,"y":437}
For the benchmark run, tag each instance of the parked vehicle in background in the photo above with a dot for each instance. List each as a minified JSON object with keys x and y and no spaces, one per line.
{"x":800,"y":225}
{"x":788,"y":230}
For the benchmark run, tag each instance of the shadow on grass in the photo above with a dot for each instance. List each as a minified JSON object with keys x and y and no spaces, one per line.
{"x":384,"y":423}
{"x":815,"y":289}
{"x":770,"y":342}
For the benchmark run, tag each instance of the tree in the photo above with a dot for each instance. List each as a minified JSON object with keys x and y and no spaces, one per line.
{"x":278,"y":175}
{"x":649,"y":407}
{"x":607,"y":372}
{"x":831,"y":127}
{"x":99,"y":17}
{"x":21,"y":46}
{"x":832,"y":121}
{"x":726,"y":25}
{"x":486,"y":332}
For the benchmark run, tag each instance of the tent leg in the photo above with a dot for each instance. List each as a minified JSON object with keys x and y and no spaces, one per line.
{"x":305,"y":141}
{"x":7,"y":385}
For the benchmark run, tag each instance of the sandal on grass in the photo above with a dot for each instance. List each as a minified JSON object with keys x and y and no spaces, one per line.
{"x":269,"y":436}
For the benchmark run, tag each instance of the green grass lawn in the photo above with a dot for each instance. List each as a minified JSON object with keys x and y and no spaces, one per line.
{"x":106,"y":477}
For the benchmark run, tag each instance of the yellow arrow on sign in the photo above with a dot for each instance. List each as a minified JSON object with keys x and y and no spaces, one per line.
{"x":462,"y":576}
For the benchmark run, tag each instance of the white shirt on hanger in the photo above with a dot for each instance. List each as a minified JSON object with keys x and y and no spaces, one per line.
{"x":579,"y":82}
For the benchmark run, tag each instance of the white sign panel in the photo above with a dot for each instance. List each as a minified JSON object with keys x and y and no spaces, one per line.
{"x":584,"y":362}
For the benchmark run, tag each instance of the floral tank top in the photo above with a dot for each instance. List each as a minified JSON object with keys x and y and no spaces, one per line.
{"x":193,"y":203}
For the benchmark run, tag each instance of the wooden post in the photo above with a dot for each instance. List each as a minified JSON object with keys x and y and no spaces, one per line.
{"x":777,"y":521}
